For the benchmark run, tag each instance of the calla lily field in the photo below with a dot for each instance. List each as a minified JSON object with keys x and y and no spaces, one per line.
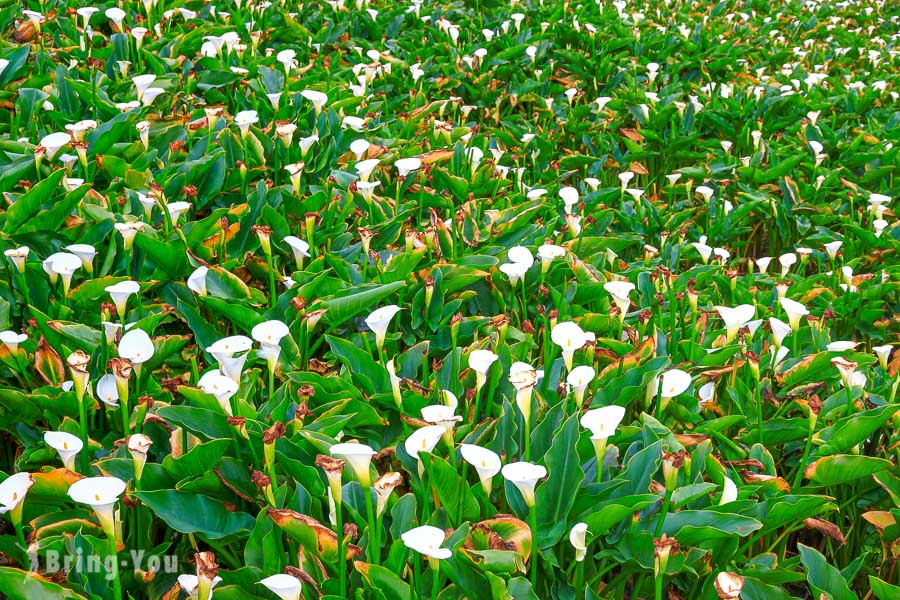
{"x":458,"y":300}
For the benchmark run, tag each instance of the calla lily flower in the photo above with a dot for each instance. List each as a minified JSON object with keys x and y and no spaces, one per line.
{"x":729,"y":585}
{"x":220,"y":386}
{"x":379,"y":320}
{"x":570,"y":337}
{"x":120,"y":292}
{"x":286,"y":587}
{"x":427,"y":540}
{"x":360,"y":458}
{"x":364,"y":168}
{"x":269,"y":335}
{"x":547,"y":253}
{"x":780,"y":330}
{"x":86,"y":253}
{"x":441,"y":414}
{"x":63,"y":265}
{"x":795,"y":311}
{"x":101,"y":494}
{"x":54,"y":142}
{"x":578,"y":379}
{"x":524,"y":476}
{"x":299,"y":247}
{"x":832,"y":248}
{"x":136,"y":346}
{"x":486,"y":463}
{"x":12,"y":495}
{"x":129,"y":230}
{"x":602,"y":422}
{"x":244,"y":119}
{"x":884,"y":354}
{"x":405,"y":166}
{"x":787,"y":261}
{"x":11,"y":340}
{"x":107,"y":391}
{"x":735,"y":318}
{"x":359,"y":148}
{"x":480,"y":361}
{"x":18,"y":256}
{"x":569,"y":197}
{"x":196,"y":282}
{"x":318,"y":99}
{"x":841,"y":346}
{"x":424,"y":440}
{"x":729,"y":491}
{"x":578,"y":539}
{"x":515,"y":271}
{"x":521,"y":255}
{"x":674,"y":383}
{"x":620,"y":291}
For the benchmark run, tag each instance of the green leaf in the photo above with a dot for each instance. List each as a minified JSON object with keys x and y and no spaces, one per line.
{"x":194,"y":513}
{"x":455,"y":494}
{"x":28,"y":204}
{"x":384,"y":580}
{"x":21,"y":585}
{"x":555,"y":497}
{"x":883,"y":590}
{"x":822,"y":577}
{"x":693,"y":527}
{"x":342,"y":308}
{"x":841,"y":468}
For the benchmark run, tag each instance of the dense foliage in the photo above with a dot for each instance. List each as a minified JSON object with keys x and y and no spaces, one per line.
{"x":541,"y":300}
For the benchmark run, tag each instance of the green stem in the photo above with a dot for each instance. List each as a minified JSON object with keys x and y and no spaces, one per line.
{"x":82,"y":421}
{"x":272,"y":294}
{"x":435,"y":581}
{"x":342,"y":563}
{"x":113,"y":552}
{"x":371,"y":550}
{"x":532,"y":521}
{"x":579,"y":580}
{"x":662,"y":515}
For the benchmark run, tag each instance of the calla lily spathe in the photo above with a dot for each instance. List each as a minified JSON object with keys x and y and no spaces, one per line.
{"x":524,"y":476}
{"x":360,"y":458}
{"x":286,"y":587}
{"x":136,"y":346}
{"x":578,"y":539}
{"x":66,"y":445}
{"x":379,"y":320}
{"x":570,"y":337}
{"x":480,"y":361}
{"x":735,"y":318}
{"x":486,"y":463}
{"x":101,"y":494}
{"x":795,"y":311}
{"x":427,"y":540}
{"x":12,"y":494}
